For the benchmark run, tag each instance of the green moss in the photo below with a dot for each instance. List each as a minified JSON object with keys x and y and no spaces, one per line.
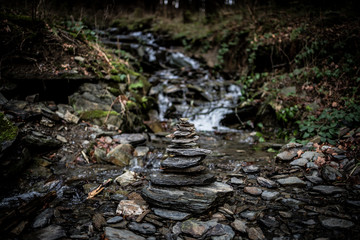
{"x":114,"y":91}
{"x":8,"y":131}
{"x":89,"y":115}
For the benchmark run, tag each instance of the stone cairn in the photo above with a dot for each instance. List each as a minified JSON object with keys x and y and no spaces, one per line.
{"x":184,"y":184}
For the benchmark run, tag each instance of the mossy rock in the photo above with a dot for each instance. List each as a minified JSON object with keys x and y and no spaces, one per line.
{"x":96,"y":114}
{"x":8,"y":132}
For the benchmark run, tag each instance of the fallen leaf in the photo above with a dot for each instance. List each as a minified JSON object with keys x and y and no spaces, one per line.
{"x":320,"y":161}
{"x":300,"y":152}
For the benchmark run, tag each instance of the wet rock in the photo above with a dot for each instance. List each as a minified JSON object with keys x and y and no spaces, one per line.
{"x":235,"y":180}
{"x":120,"y":234}
{"x":266,"y":182}
{"x":120,"y":155}
{"x":251,"y":169}
{"x":301,"y":162}
{"x":335,"y":223}
{"x":126,"y":178}
{"x":143,"y":228}
{"x":221,"y":232}
{"x":330,"y":174}
{"x":253,"y":191}
{"x":196,"y":228}
{"x":195,"y":169}
{"x":130,"y":138}
{"x":39,"y":140}
{"x":51,"y":232}
{"x":290,"y":202}
{"x":255,"y":233}
{"x":115,"y":219}
{"x":170,"y":214}
{"x":239,"y":225}
{"x":328,"y":190}
{"x":181,"y":162}
{"x":131,"y":207}
{"x":314,"y":179}
{"x":197,"y":199}
{"x":44,"y":218}
{"x":141,"y":151}
{"x":98,"y":221}
{"x":249,"y":215}
{"x":188,"y":152}
{"x":167,"y":179}
{"x":270,"y":222}
{"x":267,"y":195}
{"x":286,"y":155}
{"x":291,"y":181}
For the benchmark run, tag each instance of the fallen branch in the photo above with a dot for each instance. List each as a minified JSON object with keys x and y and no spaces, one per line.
{"x":98,"y":190}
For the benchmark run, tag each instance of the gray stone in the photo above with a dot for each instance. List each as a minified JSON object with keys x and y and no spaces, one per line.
{"x":312,"y":165}
{"x":190,"y":152}
{"x":311,"y":155}
{"x":39,"y":140}
{"x":120,"y":155}
{"x":44,"y":218}
{"x":266,"y":182}
{"x":98,"y":220}
{"x":130,"y":138}
{"x":330,"y":174}
{"x":79,"y":59}
{"x":301,"y":162}
{"x":51,"y":232}
{"x":235,"y":180}
{"x":253,"y":191}
{"x":196,"y":199}
{"x":141,"y":151}
{"x":120,"y":234}
{"x":267,"y":195}
{"x":181,"y":162}
{"x":270,"y":222}
{"x":249,"y":215}
{"x":309,"y":222}
{"x":221,"y":232}
{"x":336,"y":223}
{"x":195,"y":228}
{"x":314,"y":179}
{"x":290,"y":202}
{"x":143,"y":228}
{"x":194,"y":169}
{"x":286,"y":155}
{"x":291,"y":145}
{"x":168,"y":179}
{"x":255,"y":233}
{"x":239,"y":225}
{"x":291,"y":181}
{"x":328,"y":190}
{"x":185,"y":140}
{"x":251,"y":169}
{"x":170,"y":214}
{"x":115,"y":219}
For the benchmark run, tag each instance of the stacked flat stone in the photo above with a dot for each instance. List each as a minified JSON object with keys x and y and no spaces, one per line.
{"x":184,"y":183}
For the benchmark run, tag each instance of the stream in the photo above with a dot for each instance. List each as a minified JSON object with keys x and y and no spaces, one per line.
{"x":274,"y":208}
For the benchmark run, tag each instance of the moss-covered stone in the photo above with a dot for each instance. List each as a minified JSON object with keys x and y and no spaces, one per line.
{"x":93,"y":114}
{"x":8,"y":131}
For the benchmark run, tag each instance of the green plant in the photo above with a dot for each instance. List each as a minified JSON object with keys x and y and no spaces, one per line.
{"x":287,"y":114}
{"x":78,"y":29}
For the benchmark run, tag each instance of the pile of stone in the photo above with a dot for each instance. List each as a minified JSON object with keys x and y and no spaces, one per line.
{"x":184,"y":183}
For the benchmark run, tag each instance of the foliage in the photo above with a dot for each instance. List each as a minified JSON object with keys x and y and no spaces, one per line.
{"x":8,"y":131}
{"x":329,"y":122}
{"x":79,"y":30}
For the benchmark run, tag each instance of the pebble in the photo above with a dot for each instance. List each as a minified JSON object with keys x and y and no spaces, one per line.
{"x":253,"y":191}
{"x":249,"y":215}
{"x":143,"y":228}
{"x":195,"y":228}
{"x":267,"y":195}
{"x":291,"y":181}
{"x":266,"y":182}
{"x":239,"y":225}
{"x":255,"y":233}
{"x":251,"y":169}
{"x":235,"y":180}
{"x":335,"y":223}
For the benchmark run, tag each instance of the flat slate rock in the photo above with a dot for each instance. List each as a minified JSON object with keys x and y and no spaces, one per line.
{"x":168,"y":179}
{"x":183,"y":145}
{"x":121,"y":234}
{"x":185,"y":140}
{"x":328,"y":190}
{"x":291,"y":181}
{"x":181,"y":162}
{"x":183,"y":134}
{"x":170,"y":214}
{"x":266,"y":182}
{"x":194,"y":199}
{"x":336,"y":223}
{"x":188,"y":151}
{"x":130,"y":138}
{"x":195,"y":169}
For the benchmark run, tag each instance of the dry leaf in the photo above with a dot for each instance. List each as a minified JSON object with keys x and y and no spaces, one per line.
{"x":320,"y":161}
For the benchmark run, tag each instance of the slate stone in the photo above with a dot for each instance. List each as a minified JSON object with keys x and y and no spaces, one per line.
{"x":190,"y":152}
{"x":290,"y":202}
{"x":221,"y":232}
{"x":130,"y":138}
{"x":266,"y":182}
{"x":195,"y":199}
{"x":235,"y":180}
{"x":185,"y":140}
{"x":170,"y":214}
{"x":121,"y":234}
{"x":115,"y":219}
{"x":195,"y":228}
{"x":330,"y":174}
{"x":255,"y":233}
{"x":270,"y":222}
{"x":251,"y":169}
{"x":120,"y":155}
{"x":39,"y":140}
{"x":253,"y":191}
{"x":44,"y":218}
{"x":328,"y":190}
{"x":286,"y":155}
{"x":267,"y":195}
{"x":143,"y":228}
{"x":311,"y":155}
{"x":168,"y":179}
{"x":195,"y":169}
{"x":183,"y":134}
{"x":291,"y":181}
{"x":249,"y":215}
{"x":314,"y":179}
{"x":181,"y":162}
{"x":335,"y":223}
{"x":301,"y":162}
{"x":51,"y":232}
{"x":239,"y":225}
